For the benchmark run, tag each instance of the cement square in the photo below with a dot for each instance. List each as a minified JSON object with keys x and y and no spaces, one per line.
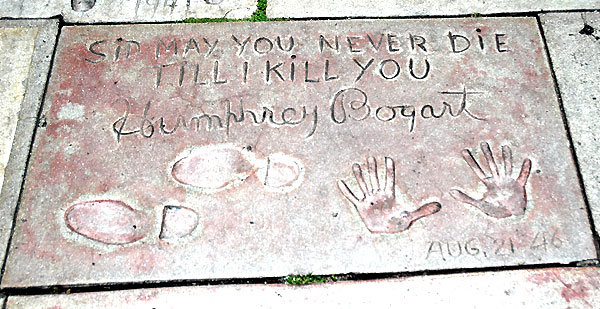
{"x":389,"y":8}
{"x":25,"y":51}
{"x":240,"y":150}
{"x":573,"y":42}
{"x":532,"y":288}
{"x":14,"y":70}
{"x":96,"y":11}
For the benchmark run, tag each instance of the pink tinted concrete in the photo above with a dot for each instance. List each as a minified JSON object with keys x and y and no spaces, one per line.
{"x":542,"y":288}
{"x":212,"y":169}
{"x":109,"y":222}
{"x":178,"y":221}
{"x":252,"y":126}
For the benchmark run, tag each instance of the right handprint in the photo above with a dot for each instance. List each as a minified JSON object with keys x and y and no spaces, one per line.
{"x":505,"y":196}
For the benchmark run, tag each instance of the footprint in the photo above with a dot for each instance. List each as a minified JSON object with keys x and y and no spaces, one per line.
{"x":282,"y":173}
{"x":178,"y":221}
{"x":219,"y":167}
{"x":213,"y":168}
{"x":106,"y":221}
{"x":82,"y":5}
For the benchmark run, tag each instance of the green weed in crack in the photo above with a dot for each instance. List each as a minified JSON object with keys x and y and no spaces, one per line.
{"x":260,"y":14}
{"x":308,"y":279}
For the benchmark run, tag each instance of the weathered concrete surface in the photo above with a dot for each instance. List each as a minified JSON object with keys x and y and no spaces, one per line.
{"x":145,"y":141}
{"x":388,"y":8}
{"x":545,"y":288}
{"x":25,"y":51}
{"x":14,"y":70}
{"x":574,"y":43}
{"x":127,"y":10}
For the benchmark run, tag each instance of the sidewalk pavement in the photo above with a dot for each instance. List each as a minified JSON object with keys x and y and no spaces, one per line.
{"x":137,"y":171}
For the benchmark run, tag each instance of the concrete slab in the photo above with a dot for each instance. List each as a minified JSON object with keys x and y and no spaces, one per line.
{"x":574,"y":43}
{"x":545,"y":288}
{"x":388,"y":8}
{"x":226,"y":150}
{"x":14,"y":68}
{"x":92,"y":11}
{"x":25,"y":51}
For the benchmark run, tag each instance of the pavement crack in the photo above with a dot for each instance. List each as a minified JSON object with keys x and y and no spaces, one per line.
{"x":587,"y":28}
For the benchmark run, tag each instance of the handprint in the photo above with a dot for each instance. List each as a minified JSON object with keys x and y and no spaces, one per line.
{"x":505,"y":196}
{"x":377,"y":207}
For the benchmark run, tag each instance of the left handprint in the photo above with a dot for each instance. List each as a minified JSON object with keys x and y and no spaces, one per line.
{"x":377,"y":207}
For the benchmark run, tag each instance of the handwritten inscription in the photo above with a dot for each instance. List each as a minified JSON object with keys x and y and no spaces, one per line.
{"x":352,"y":61}
{"x":487,"y":246}
{"x":147,"y":125}
{"x":202,"y":74}
{"x":195,"y":61}
{"x":170,"y":5}
{"x":391,"y":43}
{"x":347,"y":105}
{"x":344,"y":108}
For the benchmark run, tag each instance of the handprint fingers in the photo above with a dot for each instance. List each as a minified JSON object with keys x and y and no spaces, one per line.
{"x":425,"y":210}
{"x":504,"y":196}
{"x":406,"y":219}
{"x":507,"y":158}
{"x":378,"y":208}
{"x":359,"y":179}
{"x":487,"y":208}
{"x":348,"y":193}
{"x":390,"y":176}
{"x":373,"y":174}
{"x":525,"y":170}
{"x":462,"y":197}
{"x":468,"y":157}
{"x":489,"y":159}
{"x":493,"y":210}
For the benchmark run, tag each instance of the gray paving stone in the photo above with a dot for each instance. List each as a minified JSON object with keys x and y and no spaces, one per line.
{"x":126,"y":10}
{"x":25,"y":52}
{"x":574,"y":44}
{"x":545,"y":288}
{"x":181,"y":152}
{"x":389,"y":8}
